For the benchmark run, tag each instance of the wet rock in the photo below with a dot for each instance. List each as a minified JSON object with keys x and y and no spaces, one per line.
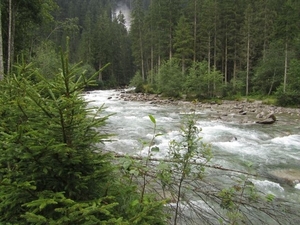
{"x":260,"y":115}
{"x":228,"y":111}
{"x":287,"y":176}
{"x":242,"y":112}
{"x":270,"y":118}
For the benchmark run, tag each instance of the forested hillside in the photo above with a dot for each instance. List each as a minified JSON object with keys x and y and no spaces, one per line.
{"x":215,"y":48}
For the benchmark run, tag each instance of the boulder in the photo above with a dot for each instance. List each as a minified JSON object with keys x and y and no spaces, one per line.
{"x":287,"y":176}
{"x":270,"y":118}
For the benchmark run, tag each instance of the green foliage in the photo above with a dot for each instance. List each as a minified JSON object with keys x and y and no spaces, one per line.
{"x":52,"y":169}
{"x":287,"y":99}
{"x":170,"y":78}
{"x":191,"y":31}
{"x":268,"y":73}
{"x":231,"y":199}
{"x":48,"y":147}
{"x":182,"y":152}
{"x":293,"y":76}
{"x":145,"y":206}
{"x":137,"y":82}
{"x":183,"y":42}
{"x":46,"y":59}
{"x":202,"y":83}
{"x":291,"y":97}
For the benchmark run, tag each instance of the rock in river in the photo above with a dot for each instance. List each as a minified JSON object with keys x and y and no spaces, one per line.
{"x":287,"y":176}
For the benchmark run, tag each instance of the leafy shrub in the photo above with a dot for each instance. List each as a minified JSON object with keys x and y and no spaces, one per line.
{"x":137,"y":82}
{"x":288,"y":99}
{"x":170,"y":79}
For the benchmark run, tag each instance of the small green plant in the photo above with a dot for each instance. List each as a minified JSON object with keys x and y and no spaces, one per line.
{"x":182,"y":153}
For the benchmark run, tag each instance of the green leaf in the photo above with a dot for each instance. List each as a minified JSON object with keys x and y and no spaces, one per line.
{"x":134,"y":172}
{"x":152,"y":119}
{"x":45,"y":170}
{"x":270,"y":197}
{"x":33,"y":218}
{"x":155,"y":149}
{"x":134,"y":203}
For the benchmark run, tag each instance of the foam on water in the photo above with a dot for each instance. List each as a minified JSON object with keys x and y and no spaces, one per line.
{"x":289,"y":140}
{"x":233,"y":145}
{"x":162,"y":142}
{"x":268,"y":187}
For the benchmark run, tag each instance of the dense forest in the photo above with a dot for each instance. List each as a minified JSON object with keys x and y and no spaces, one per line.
{"x":215,"y":48}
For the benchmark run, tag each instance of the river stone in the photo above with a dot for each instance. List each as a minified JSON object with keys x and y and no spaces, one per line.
{"x":288,"y":176}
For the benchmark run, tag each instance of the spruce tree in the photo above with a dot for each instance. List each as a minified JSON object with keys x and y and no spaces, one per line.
{"x":183,"y":42}
{"x":53,"y":169}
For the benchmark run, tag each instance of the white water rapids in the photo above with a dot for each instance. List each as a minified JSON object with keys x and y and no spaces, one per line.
{"x":265,"y":147}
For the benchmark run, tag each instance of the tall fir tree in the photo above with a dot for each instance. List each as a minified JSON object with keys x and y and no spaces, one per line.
{"x":183,"y":42}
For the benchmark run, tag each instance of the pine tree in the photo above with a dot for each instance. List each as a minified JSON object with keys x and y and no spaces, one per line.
{"x":101,"y":46}
{"x":52,"y":168}
{"x":137,"y":36}
{"x":122,"y":60}
{"x":183,"y":42}
{"x":49,"y":164}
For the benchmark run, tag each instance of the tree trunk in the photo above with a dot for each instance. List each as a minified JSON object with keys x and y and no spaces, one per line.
{"x":183,"y":65}
{"x":13,"y":32}
{"x":273,"y":79}
{"x":1,"y":50}
{"x":208,"y":54}
{"x":152,"y":63}
{"x":170,"y":42}
{"x":142,"y":54}
{"x":195,"y":30}
{"x":170,"y":33}
{"x":285,"y":66}
{"x":234,"y":67}
{"x":226,"y":59}
{"x":265,"y":35}
{"x":215,"y":36}
{"x":248,"y":62}
{"x":9,"y":41}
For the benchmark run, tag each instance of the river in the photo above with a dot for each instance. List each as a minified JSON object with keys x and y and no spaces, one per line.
{"x":267,"y":148}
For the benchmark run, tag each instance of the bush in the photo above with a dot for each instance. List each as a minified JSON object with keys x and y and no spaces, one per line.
{"x":170,"y":79}
{"x":137,"y":82}
{"x":288,"y":99}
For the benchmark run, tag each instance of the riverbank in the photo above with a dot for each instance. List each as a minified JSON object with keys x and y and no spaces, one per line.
{"x":228,"y":111}
{"x":236,"y":112}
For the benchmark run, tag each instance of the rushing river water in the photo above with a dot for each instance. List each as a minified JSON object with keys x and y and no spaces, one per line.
{"x":267,"y":148}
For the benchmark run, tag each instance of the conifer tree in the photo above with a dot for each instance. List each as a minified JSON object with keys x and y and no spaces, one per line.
{"x":138,"y":36}
{"x":52,"y":169}
{"x":183,"y":42}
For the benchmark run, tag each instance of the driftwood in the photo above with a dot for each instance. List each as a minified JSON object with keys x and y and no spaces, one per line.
{"x":270,"y":118}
